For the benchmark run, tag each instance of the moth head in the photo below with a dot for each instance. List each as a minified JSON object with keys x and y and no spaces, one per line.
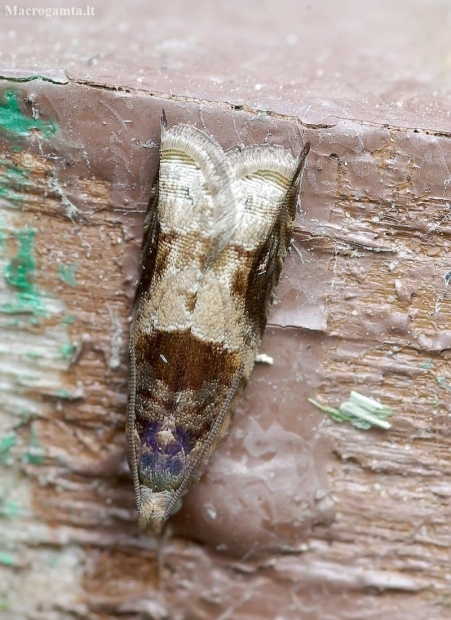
{"x":153,"y":508}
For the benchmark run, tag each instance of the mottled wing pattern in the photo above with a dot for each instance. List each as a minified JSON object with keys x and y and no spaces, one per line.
{"x":217,"y":231}
{"x":269,"y":177}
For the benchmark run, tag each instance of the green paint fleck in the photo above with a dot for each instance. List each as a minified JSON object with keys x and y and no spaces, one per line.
{"x":7,"y":559}
{"x":14,"y":182}
{"x":20,"y":271}
{"x":13,"y":175}
{"x":68,"y":351}
{"x":66,"y":394}
{"x":35,"y":453}
{"x":20,"y":274}
{"x":428,"y":364}
{"x":14,"y":121}
{"x":443,"y":383}
{"x":66,"y":273}
{"x":68,"y":319}
{"x":360,"y":411}
{"x":9,"y":509}
{"x":6,"y":443}
{"x":16,"y":174}
{"x":9,"y":194}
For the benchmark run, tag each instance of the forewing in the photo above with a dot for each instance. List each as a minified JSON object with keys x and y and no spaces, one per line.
{"x":176,"y":372}
{"x":270,"y":178}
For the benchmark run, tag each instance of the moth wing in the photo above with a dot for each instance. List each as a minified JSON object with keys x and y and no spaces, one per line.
{"x":270,"y":177}
{"x":208,"y":211}
{"x":150,"y":241}
{"x":200,"y":205}
{"x":203,"y":195}
{"x":194,"y":210}
{"x":146,"y":269}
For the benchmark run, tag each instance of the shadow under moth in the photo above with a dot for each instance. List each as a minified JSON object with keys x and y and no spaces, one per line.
{"x":217,"y":231}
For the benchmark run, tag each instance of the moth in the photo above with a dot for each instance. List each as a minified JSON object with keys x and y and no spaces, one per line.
{"x":216,"y":233}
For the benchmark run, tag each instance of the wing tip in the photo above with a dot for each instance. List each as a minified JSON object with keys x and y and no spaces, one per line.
{"x":153,"y":508}
{"x":163,"y":120}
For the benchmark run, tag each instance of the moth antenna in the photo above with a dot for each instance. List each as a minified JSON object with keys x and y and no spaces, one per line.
{"x":239,"y":141}
{"x":302,"y":158}
{"x":164,"y":120}
{"x":299,"y":131}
